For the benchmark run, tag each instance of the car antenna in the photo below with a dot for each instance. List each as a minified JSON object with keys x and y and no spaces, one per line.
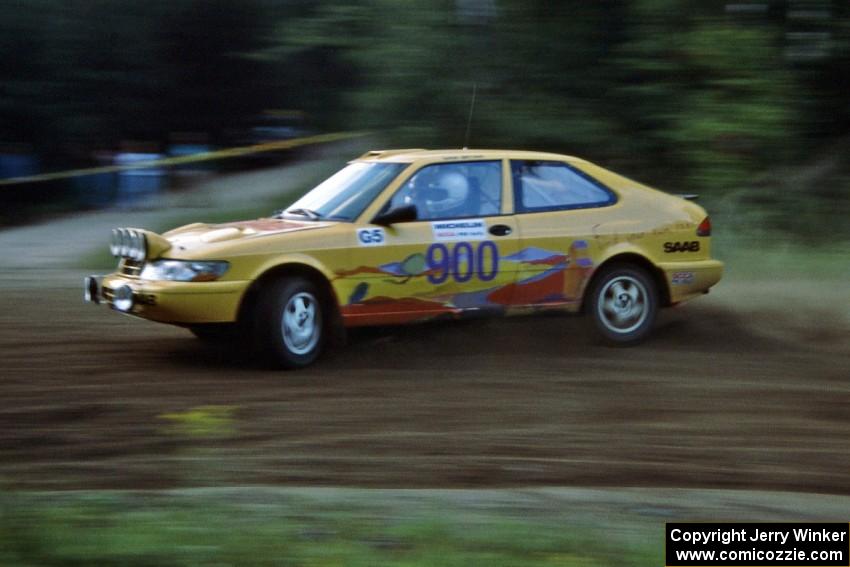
{"x":469,"y":118}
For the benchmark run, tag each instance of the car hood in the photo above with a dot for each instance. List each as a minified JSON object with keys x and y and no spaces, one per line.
{"x":199,"y":234}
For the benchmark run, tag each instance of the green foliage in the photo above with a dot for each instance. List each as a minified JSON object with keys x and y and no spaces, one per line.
{"x":104,"y":528}
{"x":734,"y":123}
{"x":680,"y":93}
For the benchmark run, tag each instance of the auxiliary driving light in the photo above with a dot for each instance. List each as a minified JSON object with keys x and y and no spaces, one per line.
{"x":122,"y":299}
{"x":124,"y":242}
{"x":115,"y":243}
{"x":129,"y":243}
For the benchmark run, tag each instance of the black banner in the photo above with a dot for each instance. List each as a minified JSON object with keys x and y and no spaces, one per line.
{"x":758,"y":544}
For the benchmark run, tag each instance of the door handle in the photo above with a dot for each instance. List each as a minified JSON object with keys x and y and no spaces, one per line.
{"x":500,"y":230}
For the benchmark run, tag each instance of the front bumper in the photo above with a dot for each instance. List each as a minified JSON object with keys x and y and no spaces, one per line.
{"x":180,"y":303}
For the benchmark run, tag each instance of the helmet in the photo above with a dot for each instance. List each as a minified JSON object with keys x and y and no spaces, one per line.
{"x":449,"y":192}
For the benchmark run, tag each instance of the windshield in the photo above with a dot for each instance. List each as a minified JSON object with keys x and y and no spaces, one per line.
{"x":347,"y":193}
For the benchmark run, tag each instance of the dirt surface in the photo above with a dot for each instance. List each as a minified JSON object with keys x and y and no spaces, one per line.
{"x":745,"y":388}
{"x":708,"y":402}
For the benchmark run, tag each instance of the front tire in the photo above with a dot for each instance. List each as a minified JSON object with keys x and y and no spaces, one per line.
{"x":290,"y":323}
{"x":623,"y":304}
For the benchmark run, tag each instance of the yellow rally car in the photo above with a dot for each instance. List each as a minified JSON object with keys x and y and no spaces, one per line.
{"x":408,"y":235}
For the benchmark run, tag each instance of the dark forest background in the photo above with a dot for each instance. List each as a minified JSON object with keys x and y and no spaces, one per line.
{"x":747,"y":103}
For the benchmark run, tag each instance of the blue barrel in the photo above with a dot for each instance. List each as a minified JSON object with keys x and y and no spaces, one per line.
{"x":138,"y":187}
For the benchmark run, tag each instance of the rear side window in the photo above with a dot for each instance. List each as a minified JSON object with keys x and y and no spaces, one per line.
{"x":553,"y":185}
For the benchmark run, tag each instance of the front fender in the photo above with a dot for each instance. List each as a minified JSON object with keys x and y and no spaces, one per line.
{"x":291,"y":259}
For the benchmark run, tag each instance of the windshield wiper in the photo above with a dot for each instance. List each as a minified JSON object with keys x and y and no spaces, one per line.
{"x":310,"y":214}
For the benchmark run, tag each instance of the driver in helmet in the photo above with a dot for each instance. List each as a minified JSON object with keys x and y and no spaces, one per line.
{"x":444,"y":197}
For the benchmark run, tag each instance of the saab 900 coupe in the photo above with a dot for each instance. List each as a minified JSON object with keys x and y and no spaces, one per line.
{"x":401,"y":236}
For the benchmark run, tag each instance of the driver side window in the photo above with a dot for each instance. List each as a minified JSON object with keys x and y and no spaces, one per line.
{"x":453,"y":190}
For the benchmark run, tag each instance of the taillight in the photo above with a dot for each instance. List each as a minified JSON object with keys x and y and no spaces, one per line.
{"x":704,"y":228}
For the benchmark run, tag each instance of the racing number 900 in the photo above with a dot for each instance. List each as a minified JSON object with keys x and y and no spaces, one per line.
{"x":462,"y":262}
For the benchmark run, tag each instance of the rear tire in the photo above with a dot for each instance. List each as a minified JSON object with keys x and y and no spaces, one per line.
{"x":623,"y":304}
{"x":289,"y":329}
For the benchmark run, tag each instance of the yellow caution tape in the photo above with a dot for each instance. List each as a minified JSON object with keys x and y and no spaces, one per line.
{"x":172,"y":161}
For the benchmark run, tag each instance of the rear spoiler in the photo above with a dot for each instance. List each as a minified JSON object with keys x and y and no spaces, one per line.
{"x":688,"y":196}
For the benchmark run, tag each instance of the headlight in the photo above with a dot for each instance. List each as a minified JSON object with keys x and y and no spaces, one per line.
{"x":183,"y":271}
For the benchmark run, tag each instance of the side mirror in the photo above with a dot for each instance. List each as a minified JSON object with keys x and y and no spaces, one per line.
{"x":404,"y":213}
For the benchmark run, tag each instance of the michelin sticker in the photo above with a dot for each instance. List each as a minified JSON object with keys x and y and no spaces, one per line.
{"x":461,"y":229}
{"x":371,"y":236}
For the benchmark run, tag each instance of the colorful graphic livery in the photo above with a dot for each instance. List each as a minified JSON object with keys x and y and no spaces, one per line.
{"x":408,"y":235}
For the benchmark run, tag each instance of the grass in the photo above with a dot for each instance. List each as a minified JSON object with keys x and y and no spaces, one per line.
{"x":761,"y":256}
{"x":99,"y":259}
{"x":280,"y":528}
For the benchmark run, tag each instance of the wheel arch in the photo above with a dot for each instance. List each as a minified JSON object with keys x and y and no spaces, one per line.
{"x":634,"y":259}
{"x":296,"y":269}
